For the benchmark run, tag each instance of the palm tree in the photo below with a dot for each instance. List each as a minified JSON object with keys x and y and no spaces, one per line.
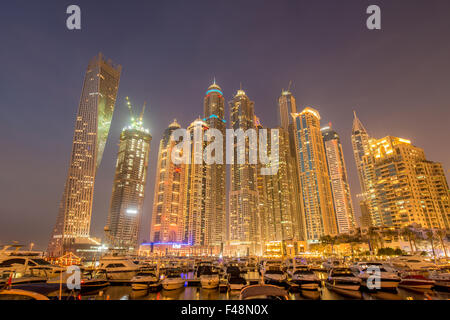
{"x":372,"y":236}
{"x":411,"y":236}
{"x":441,"y":235}
{"x":430,"y":236}
{"x":327,"y":239}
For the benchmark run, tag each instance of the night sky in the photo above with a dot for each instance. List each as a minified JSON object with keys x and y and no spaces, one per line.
{"x":396,"y":79}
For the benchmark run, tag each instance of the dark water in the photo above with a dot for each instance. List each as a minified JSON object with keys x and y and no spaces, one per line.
{"x":197,"y":293}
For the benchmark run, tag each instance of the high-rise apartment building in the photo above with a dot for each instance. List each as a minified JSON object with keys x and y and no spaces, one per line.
{"x":243,"y":209}
{"x":168,"y":214}
{"x":400,"y":186}
{"x":317,"y":199}
{"x":365,"y":168}
{"x":127,"y":200}
{"x":279,"y":212}
{"x":409,"y":188}
{"x":214,"y":116}
{"x":287,"y":106}
{"x":199,"y":218}
{"x":340,"y":188}
{"x":93,"y":120}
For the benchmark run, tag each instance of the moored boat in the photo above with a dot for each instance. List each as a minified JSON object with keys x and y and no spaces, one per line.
{"x":415,"y":281}
{"x":342,"y":279}
{"x":172,"y":280}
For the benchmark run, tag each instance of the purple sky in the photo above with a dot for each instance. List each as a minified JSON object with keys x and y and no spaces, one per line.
{"x":397,"y":80}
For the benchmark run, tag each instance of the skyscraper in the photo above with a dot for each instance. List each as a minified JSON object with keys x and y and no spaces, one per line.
{"x":128,"y":191}
{"x":408,"y":187}
{"x":342,"y":198}
{"x":279,"y":215}
{"x":287,"y":106}
{"x":365,"y":168}
{"x":400,"y":186}
{"x":168,"y":205}
{"x":243,"y":226}
{"x":199,"y":219}
{"x":214,"y":113}
{"x":95,"y":111}
{"x":314,"y":178}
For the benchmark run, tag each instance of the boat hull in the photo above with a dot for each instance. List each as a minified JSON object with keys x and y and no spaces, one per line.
{"x":172,"y":285}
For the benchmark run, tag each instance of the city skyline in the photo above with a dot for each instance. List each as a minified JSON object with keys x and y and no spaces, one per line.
{"x":49,"y":146}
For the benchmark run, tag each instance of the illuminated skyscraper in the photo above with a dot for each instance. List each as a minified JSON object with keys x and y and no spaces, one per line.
{"x":287,"y":106}
{"x":342,"y":198}
{"x":366,"y":173}
{"x":199,"y":218}
{"x":243,"y":226}
{"x":409,"y":188}
{"x":168,"y":205}
{"x":279,"y":214}
{"x":317,"y":199}
{"x":214,"y":113}
{"x":93,"y":120}
{"x":128,"y":191}
{"x":400,"y":186}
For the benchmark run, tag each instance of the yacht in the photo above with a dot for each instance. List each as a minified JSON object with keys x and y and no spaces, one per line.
{"x":20,"y":262}
{"x":19,"y":294}
{"x":411,"y":263}
{"x":263,"y":291}
{"x":441,"y":278}
{"x":145,"y":280}
{"x":91,"y":280}
{"x":305,"y":277}
{"x":172,"y":280}
{"x":342,"y":278}
{"x":416,"y":281}
{"x":118,"y":268}
{"x":274,"y":275}
{"x":389,"y":279}
{"x":209,"y":277}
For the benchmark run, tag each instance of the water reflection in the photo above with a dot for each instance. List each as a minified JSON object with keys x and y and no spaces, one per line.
{"x":198,"y":293}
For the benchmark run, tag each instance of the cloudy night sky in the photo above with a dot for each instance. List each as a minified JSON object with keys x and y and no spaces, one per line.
{"x":397,"y":79}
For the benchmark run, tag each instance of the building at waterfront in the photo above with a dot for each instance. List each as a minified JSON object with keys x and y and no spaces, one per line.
{"x":199,"y":219}
{"x":243,"y":195}
{"x":286,"y":106}
{"x":340,"y":188}
{"x":127,"y":200}
{"x":365,"y":168}
{"x":279,"y":212}
{"x":400,"y":186}
{"x":409,"y":188}
{"x":316,"y":194}
{"x":93,"y":120}
{"x":214,"y":117}
{"x":168,"y":215}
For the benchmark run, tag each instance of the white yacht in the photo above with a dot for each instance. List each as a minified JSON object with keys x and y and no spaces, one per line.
{"x":411,"y":263}
{"x":209,"y":277}
{"x":441,"y":278}
{"x":274,"y":275}
{"x":145,"y":279}
{"x":303,"y":276}
{"x":389,"y":279}
{"x":119,"y":269}
{"x":172,"y":280}
{"x":20,"y":263}
{"x":342,"y":279}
